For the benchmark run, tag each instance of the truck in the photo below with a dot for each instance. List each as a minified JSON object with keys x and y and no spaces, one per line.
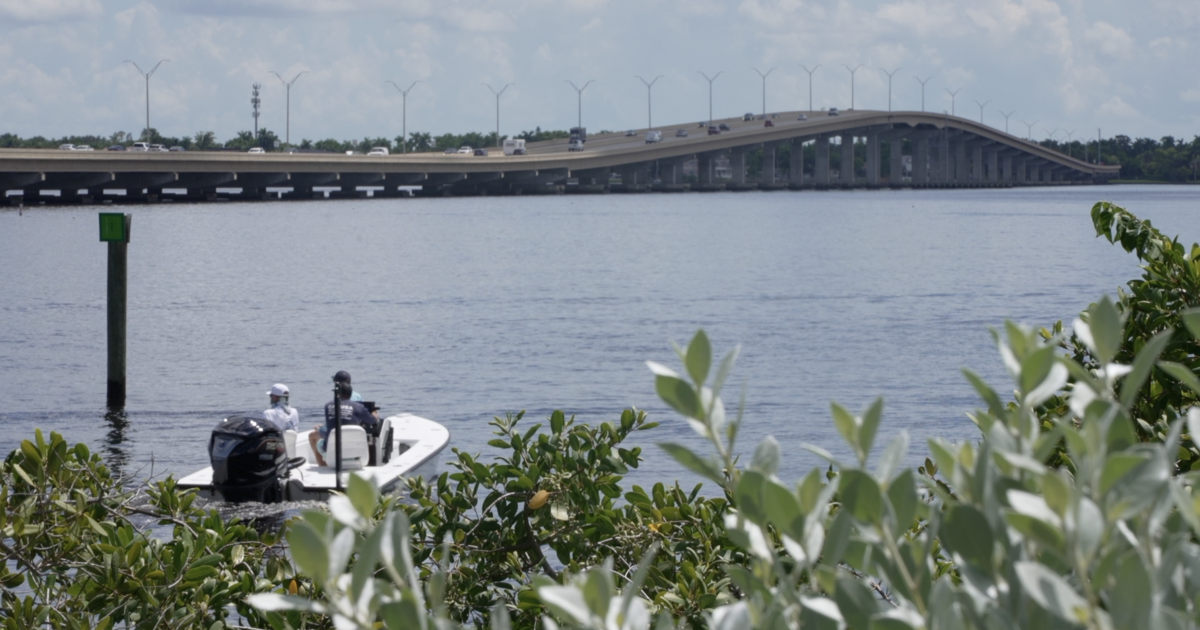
{"x":514,"y":146}
{"x":580,"y":133}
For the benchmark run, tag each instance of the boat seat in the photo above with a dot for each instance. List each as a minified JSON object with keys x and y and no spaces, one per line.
{"x":383,"y":451}
{"x":289,"y":441}
{"x":355,"y":451}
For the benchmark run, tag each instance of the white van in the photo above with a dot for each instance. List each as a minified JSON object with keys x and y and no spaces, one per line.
{"x":140,"y":146}
{"x":514,"y":146}
{"x":378,"y":151}
{"x":653,"y":137}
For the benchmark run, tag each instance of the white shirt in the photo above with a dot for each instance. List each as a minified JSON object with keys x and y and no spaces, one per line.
{"x":283,"y":416}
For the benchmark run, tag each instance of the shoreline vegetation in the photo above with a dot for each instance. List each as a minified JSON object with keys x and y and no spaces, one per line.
{"x":1076,"y":507}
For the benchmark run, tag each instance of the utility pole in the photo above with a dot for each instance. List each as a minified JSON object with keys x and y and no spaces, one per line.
{"x":649,"y":84}
{"x":890,"y":85}
{"x":710,"y":82}
{"x":1069,"y":134}
{"x":764,"y":81}
{"x":288,"y":84}
{"x":810,"y":73}
{"x":498,"y":109}
{"x":404,"y":114}
{"x":579,"y":92}
{"x":923,"y":89}
{"x":1006,"y":119}
{"x":952,"y":95}
{"x":1029,"y":130}
{"x":981,"y":106}
{"x":1098,"y":153}
{"x":255,"y":101}
{"x":852,"y":71}
{"x":147,"y":75}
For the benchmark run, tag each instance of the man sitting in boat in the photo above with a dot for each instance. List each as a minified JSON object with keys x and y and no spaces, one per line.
{"x":352,"y":413}
{"x":281,"y":414}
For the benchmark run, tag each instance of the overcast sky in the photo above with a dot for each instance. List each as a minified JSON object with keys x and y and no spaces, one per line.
{"x":1123,"y":66}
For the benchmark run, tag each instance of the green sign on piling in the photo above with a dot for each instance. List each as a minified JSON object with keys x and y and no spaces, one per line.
{"x":114,"y":227}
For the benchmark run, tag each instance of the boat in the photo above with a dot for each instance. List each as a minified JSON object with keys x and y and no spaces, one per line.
{"x":252,"y":460}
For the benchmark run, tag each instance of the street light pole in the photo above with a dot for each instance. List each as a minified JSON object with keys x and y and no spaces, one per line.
{"x":890,"y":85}
{"x":404,"y":113}
{"x":923,"y":89}
{"x":852,"y":71}
{"x":579,"y":92}
{"x":710,"y":82}
{"x":1006,"y":119}
{"x":810,"y":73}
{"x":498,"y":109}
{"x":952,"y":95}
{"x":288,"y":84}
{"x":1069,"y":134}
{"x":147,"y":75}
{"x":764,"y":80}
{"x":1029,"y":129}
{"x":981,"y":106}
{"x":649,"y":84}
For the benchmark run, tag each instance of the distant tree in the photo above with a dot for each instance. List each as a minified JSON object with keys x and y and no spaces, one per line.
{"x":244,"y":140}
{"x":152,"y":134}
{"x":329,"y":144}
{"x":267,"y":139}
{"x":205,"y":140}
{"x":306,"y":144}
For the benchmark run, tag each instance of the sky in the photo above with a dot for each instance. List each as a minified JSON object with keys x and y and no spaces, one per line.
{"x":1055,"y":66}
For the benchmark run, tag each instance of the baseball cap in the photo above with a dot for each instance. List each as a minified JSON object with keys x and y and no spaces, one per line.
{"x":279,"y":389}
{"x":342,"y":376}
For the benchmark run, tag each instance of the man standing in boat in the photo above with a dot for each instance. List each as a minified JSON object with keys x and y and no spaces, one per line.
{"x":352,"y":413}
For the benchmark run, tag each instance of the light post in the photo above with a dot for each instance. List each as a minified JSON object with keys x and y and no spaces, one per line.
{"x":404,"y":114}
{"x":287,"y":142}
{"x":1029,"y":130}
{"x":710,"y":82}
{"x":981,"y":106}
{"x":649,"y":84}
{"x":923,"y":89}
{"x":147,"y":75}
{"x":579,"y":92}
{"x":1069,"y":134}
{"x":1006,"y":119}
{"x":890,"y":85}
{"x":764,"y":80}
{"x":497,"y":94}
{"x":810,"y":73}
{"x":952,"y":95}
{"x":852,"y":71}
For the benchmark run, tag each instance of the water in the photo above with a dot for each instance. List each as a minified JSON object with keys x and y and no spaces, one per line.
{"x":460,"y":309}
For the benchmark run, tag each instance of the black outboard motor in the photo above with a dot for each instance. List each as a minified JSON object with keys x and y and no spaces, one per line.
{"x":249,"y":460}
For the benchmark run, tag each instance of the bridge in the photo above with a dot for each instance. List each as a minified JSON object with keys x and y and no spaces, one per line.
{"x":924,"y":150}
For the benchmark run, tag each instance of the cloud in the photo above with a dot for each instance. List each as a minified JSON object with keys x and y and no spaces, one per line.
{"x":1118,"y":108}
{"x":32,"y":11}
{"x":1112,"y":41}
{"x":1191,"y":95}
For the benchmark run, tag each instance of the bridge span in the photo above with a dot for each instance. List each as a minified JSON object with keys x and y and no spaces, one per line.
{"x":924,"y":149}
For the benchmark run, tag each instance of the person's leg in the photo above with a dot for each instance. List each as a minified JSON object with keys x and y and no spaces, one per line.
{"x":312,"y":441}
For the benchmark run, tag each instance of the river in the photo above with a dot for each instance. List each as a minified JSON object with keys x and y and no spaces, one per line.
{"x":459,"y":309}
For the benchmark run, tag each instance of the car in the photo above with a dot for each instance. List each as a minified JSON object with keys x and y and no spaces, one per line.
{"x":450,"y":151}
{"x":378,"y":151}
{"x":630,"y":133}
{"x":256,"y":150}
{"x":481,"y":152}
{"x":723,"y":127}
{"x":768,"y":123}
{"x":802,"y":117}
{"x":158,"y":147}
{"x":653,"y":136}
{"x":713,"y":130}
{"x":117,"y":147}
{"x":575,"y":145}
{"x":83,"y":147}
{"x":520,"y":151}
{"x":833,"y":111}
{"x":177,"y":149}
{"x":140,"y":146}
{"x":702,"y":125}
{"x":465,"y":150}
{"x":681,"y":133}
{"x":66,"y":147}
{"x":747,"y":116}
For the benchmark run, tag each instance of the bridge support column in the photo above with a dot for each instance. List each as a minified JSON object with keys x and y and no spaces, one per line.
{"x":872,"y":161}
{"x":796,"y":163}
{"x":1022,"y":172}
{"x":961,"y":174}
{"x":846,"y":172}
{"x":1008,"y":169}
{"x":768,"y":165}
{"x":737,"y":167}
{"x":1035,"y":173}
{"x":920,"y":165}
{"x":896,"y":162}
{"x":977,"y":164}
{"x":993,"y":171}
{"x":704,"y":169}
{"x":821,"y":167}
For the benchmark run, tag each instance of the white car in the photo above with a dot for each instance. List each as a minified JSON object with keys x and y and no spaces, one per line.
{"x":466,"y":150}
{"x":83,"y":147}
{"x":833,"y":111}
{"x":378,"y":151}
{"x":256,"y":150}
{"x":653,"y":136}
{"x":158,"y":147}
{"x":66,"y":147}
{"x":802,"y":117}
{"x":140,"y":146}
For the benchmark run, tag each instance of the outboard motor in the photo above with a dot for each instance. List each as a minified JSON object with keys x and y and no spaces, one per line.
{"x":249,"y":460}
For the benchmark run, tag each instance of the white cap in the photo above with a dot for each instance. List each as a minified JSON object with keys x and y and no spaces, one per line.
{"x":279,"y":389}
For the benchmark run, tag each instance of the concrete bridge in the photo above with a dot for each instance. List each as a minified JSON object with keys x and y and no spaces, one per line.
{"x":938,"y":150}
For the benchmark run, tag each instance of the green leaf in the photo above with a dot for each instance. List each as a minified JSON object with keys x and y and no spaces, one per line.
{"x":275,"y":601}
{"x":693,"y":462}
{"x":1051,"y":592}
{"x":902,"y":494}
{"x":699,"y":357}
{"x":965,"y":531}
{"x":1191,"y":320}
{"x":724,"y":369}
{"x":598,"y":589}
{"x":870,"y":425}
{"x":861,"y":495}
{"x":1182,"y":374}
{"x":1107,"y":329}
{"x":783,"y":510}
{"x":566,"y":601}
{"x":1037,"y":530}
{"x":679,"y":394}
{"x":766,"y":456}
{"x":847,"y":425}
{"x":1143,"y":364}
{"x":748,"y":496}
{"x":309,"y":551}
{"x":856,"y":602}
{"x":363,"y":495}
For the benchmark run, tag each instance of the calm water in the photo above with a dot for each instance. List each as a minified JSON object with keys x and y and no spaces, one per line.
{"x":461,"y":309}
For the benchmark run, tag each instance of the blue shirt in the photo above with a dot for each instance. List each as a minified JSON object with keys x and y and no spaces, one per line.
{"x":353,"y":413}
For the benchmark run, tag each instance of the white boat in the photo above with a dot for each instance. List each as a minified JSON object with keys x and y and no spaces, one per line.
{"x":407,"y":446}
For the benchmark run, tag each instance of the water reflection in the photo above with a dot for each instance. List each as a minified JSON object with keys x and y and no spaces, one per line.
{"x":116,"y":454}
